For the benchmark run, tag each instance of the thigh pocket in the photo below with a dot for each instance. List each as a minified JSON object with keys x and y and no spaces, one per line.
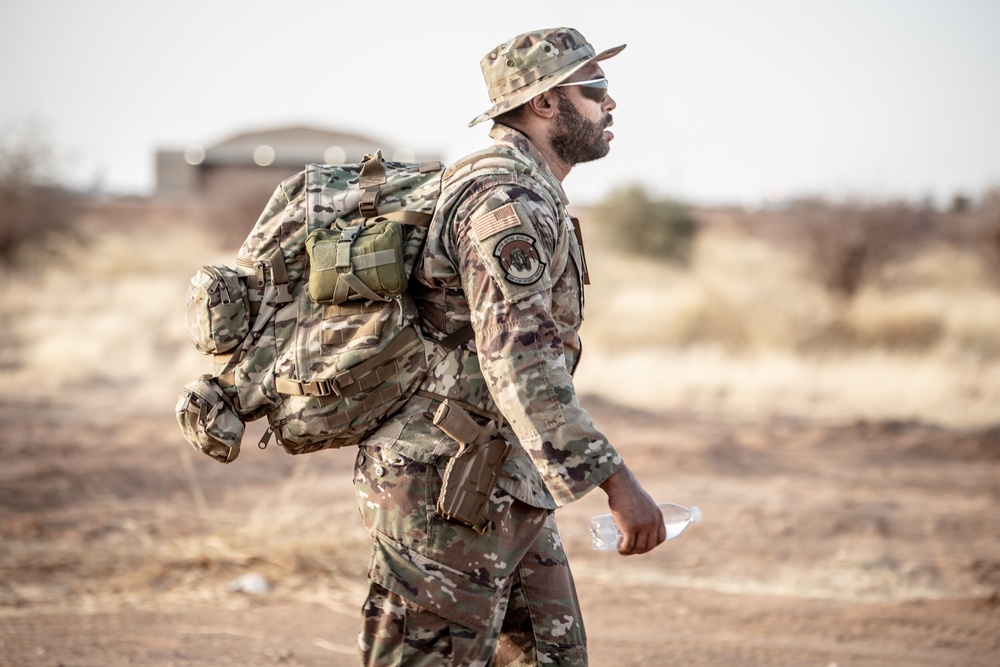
{"x":460,"y":597}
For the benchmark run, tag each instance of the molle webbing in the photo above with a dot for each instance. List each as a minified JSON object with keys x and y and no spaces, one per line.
{"x":365,"y":375}
{"x":379,"y":398}
{"x":368,"y":373}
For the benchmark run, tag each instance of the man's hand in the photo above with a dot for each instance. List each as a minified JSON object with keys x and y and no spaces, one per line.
{"x":635,"y":512}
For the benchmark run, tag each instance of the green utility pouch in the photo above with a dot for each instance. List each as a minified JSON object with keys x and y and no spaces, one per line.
{"x":352,"y":262}
{"x":470,"y":475}
{"x":217,"y":310}
{"x":208,"y":419}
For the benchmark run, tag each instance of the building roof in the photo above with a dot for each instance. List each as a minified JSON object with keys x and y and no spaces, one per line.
{"x":291,"y":146}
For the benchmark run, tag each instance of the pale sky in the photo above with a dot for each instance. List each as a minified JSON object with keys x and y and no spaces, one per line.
{"x":719,"y":101}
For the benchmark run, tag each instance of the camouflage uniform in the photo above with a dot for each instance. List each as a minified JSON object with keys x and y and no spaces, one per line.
{"x":502,"y":252}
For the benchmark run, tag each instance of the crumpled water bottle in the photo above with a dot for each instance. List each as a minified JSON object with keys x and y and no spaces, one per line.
{"x":605,"y":535}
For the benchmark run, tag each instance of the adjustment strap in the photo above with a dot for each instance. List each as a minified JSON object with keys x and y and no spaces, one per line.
{"x":344,"y":243}
{"x":279,"y":276}
{"x":371,"y":179}
{"x":373,"y":259}
{"x":451,"y":342}
{"x":469,"y":407}
{"x":346,"y":282}
{"x":583,"y":253}
{"x":414,"y":218}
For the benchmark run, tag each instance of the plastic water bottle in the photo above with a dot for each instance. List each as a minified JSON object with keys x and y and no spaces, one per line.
{"x":606,"y":536}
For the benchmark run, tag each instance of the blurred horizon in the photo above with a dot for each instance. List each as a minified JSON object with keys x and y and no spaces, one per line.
{"x":729,"y":103}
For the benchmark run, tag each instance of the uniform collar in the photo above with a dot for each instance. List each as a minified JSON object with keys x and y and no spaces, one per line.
{"x":510,"y":138}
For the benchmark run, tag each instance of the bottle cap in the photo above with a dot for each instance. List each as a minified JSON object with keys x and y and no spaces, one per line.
{"x":695,"y":515}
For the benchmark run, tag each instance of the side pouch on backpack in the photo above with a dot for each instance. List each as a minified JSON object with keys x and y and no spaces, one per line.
{"x":217,"y":315}
{"x":357,"y":262}
{"x":208,"y":419}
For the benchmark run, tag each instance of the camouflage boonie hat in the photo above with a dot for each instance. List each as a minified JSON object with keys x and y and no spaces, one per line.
{"x":532,"y":63}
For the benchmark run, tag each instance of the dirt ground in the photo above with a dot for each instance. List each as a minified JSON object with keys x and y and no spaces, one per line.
{"x":851,"y":545}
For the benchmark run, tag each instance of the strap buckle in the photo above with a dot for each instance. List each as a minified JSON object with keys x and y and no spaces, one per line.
{"x":347,"y":237}
{"x":369,"y":203}
{"x":320,"y":388}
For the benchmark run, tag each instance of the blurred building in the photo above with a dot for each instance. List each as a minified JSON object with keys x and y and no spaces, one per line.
{"x":255,"y":161}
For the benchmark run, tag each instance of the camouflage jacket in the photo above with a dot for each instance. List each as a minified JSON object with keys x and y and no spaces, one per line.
{"x":502,"y":252}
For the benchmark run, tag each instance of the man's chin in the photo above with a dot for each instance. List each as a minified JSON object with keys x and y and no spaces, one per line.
{"x":603,"y":149}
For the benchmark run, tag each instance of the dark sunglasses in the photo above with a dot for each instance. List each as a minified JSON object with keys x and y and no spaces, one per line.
{"x":594,"y":89}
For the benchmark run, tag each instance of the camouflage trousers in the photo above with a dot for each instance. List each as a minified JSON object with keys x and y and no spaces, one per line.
{"x":441,"y":594}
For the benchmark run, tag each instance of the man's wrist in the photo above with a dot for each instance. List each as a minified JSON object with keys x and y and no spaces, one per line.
{"x":616,"y":479}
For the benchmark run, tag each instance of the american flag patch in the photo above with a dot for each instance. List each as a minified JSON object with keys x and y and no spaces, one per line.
{"x":495,"y":221}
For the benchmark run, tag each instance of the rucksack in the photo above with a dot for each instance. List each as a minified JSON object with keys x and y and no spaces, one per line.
{"x":314,"y":328}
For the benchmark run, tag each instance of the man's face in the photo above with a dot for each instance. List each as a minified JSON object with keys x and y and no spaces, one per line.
{"x":579,"y":134}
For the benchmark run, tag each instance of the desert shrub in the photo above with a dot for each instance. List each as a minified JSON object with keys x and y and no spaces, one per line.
{"x":635,"y":222}
{"x":32,"y":206}
{"x":846,"y":245}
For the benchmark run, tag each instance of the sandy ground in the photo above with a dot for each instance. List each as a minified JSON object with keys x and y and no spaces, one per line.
{"x":847,"y":545}
{"x":833,"y":543}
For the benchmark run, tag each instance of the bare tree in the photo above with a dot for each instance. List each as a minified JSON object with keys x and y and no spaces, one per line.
{"x":846,"y":245}
{"x":32,"y":205}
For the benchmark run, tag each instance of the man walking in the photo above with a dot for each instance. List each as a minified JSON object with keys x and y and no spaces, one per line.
{"x":503,"y":255}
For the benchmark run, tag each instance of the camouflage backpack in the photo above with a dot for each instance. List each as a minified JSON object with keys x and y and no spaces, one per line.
{"x":313,"y":329}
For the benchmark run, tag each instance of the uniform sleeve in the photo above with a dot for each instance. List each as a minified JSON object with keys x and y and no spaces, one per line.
{"x":507,"y":243}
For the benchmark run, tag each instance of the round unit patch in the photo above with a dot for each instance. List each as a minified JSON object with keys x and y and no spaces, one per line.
{"x":519,"y":259}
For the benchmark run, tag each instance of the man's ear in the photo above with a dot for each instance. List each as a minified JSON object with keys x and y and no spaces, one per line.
{"x":544,"y":105}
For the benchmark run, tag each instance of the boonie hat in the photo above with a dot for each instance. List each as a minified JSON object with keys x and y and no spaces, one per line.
{"x":532,"y":63}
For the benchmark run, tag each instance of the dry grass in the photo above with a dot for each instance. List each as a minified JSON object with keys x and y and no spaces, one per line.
{"x":110,"y":314}
{"x":740,"y":331}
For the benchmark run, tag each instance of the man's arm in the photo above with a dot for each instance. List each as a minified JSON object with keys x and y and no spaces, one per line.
{"x":522,"y":351}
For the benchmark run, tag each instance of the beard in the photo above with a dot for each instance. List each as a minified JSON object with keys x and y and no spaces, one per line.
{"x":576,"y":139}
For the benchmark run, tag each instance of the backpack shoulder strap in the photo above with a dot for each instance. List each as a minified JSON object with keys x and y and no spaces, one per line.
{"x":488,"y":157}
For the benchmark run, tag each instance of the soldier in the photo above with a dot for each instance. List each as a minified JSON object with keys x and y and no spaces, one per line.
{"x":502,"y":254}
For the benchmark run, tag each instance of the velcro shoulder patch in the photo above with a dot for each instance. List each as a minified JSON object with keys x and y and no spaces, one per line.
{"x":507,"y":241}
{"x":495,"y":221}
